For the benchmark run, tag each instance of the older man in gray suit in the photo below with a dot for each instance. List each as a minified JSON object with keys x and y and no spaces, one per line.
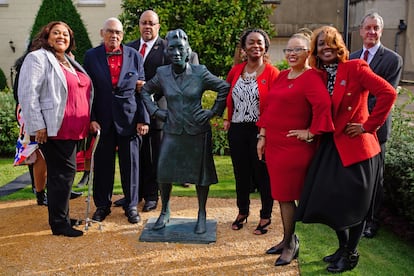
{"x":387,"y":64}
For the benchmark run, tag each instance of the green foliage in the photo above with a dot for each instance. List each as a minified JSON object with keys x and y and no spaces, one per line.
{"x":384,"y":255}
{"x":399,"y":160}
{"x":219,"y":135}
{"x":3,"y":80}
{"x":63,"y":10}
{"x":9,"y":172}
{"x":224,"y":189}
{"x":282,"y":65}
{"x":213,"y":26}
{"x":9,"y":129}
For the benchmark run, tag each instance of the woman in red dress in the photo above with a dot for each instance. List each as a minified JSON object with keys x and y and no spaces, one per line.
{"x":298,"y":108}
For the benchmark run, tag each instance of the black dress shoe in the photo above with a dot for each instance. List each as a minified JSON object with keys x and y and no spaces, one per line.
{"x":132,"y":214}
{"x":333,"y":258}
{"x":100,"y":214}
{"x":149,"y":205}
{"x":67,"y":232}
{"x":120,"y":202}
{"x":275,"y":250}
{"x":74,"y":194}
{"x":347,"y":261}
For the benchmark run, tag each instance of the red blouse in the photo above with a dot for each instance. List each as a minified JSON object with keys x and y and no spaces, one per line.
{"x":75,"y":124}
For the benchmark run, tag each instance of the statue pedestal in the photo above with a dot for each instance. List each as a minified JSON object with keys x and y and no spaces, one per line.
{"x":179,"y":230}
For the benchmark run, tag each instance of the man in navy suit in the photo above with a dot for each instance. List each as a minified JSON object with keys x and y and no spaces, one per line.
{"x":118,"y":112}
{"x":388,"y":65}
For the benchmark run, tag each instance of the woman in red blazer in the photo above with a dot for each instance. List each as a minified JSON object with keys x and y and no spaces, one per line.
{"x":250,"y":81}
{"x":339,"y":185}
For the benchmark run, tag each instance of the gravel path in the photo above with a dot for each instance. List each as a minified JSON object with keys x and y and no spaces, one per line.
{"x":29,"y":248}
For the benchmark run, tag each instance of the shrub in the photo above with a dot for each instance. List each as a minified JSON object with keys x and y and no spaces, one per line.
{"x":3,"y":80}
{"x":9,"y":129}
{"x":282,"y":65}
{"x":213,"y":26}
{"x":219,"y":135}
{"x":63,"y":10}
{"x":399,"y":161}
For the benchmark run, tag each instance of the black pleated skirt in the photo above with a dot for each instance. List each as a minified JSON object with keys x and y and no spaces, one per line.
{"x":335,"y":195}
{"x":186,"y":158}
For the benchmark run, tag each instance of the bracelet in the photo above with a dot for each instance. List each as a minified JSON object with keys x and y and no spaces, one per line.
{"x":260,"y":136}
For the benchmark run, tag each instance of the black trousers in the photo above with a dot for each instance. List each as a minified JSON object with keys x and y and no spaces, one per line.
{"x":104,"y":168}
{"x":150,"y":151}
{"x":374,"y":211}
{"x":60,"y":156}
{"x":248,"y":168}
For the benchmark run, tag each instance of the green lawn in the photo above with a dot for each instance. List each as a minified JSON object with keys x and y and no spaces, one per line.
{"x":384,"y":255}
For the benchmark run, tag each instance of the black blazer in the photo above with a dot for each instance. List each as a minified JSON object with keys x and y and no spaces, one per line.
{"x":388,"y":65}
{"x":155,"y":58}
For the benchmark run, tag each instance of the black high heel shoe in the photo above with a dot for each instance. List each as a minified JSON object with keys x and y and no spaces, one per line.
{"x":262,"y":228}
{"x":295,"y":255}
{"x":238,"y":223}
{"x":275,"y":250}
{"x":347,"y":261}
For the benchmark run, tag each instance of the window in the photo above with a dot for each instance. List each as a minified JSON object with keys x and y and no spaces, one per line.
{"x":90,"y":2}
{"x":4,"y":3}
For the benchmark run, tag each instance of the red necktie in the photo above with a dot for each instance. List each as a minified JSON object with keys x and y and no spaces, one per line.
{"x":366,"y":55}
{"x":142,"y":51}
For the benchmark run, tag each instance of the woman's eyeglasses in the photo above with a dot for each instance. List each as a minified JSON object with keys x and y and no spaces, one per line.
{"x":294,"y":50}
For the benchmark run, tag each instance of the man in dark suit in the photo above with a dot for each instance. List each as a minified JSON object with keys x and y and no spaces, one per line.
{"x":154,"y":56}
{"x":387,"y":64}
{"x":117,"y":73}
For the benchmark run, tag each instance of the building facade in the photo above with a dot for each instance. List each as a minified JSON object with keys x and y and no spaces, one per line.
{"x":17,"y":18}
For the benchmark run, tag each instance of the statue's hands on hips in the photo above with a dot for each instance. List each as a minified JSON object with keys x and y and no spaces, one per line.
{"x":203,"y":115}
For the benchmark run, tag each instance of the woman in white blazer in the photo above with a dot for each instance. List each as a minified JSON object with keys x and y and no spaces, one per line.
{"x":56,"y":94}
